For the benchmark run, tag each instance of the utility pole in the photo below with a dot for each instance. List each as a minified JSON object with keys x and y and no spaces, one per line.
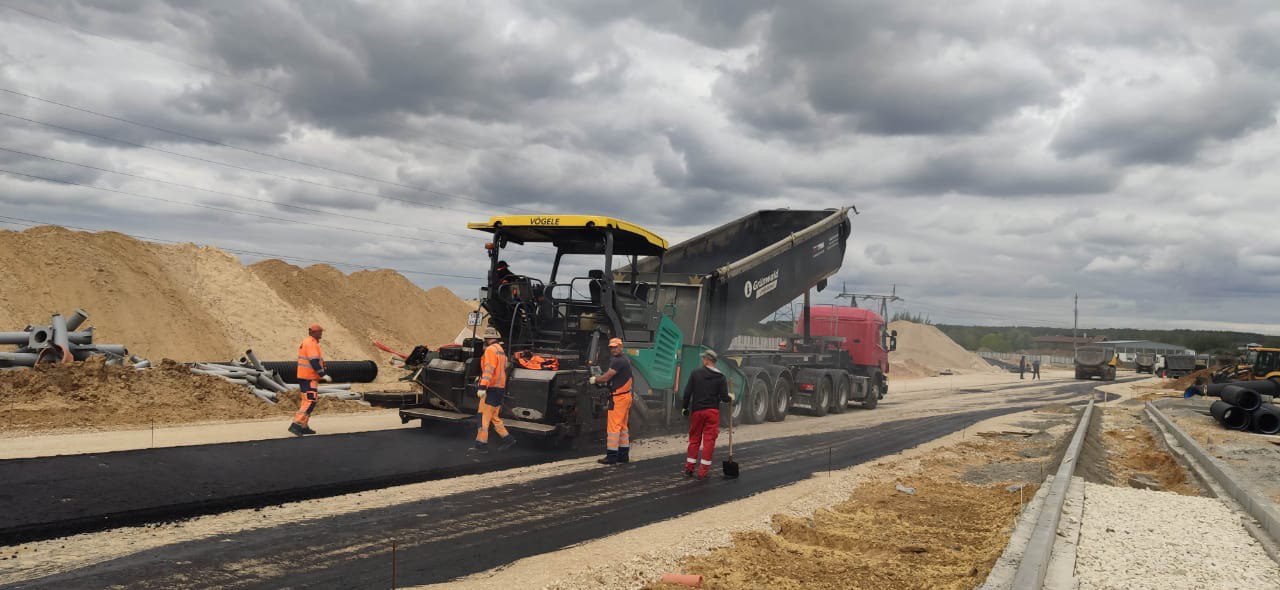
{"x":1075,"y":324}
{"x":884,"y":299}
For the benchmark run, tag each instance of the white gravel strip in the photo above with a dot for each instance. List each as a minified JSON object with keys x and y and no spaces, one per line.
{"x":1137,"y":539}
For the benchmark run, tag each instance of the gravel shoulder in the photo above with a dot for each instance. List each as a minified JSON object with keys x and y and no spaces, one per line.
{"x":1141,"y":539}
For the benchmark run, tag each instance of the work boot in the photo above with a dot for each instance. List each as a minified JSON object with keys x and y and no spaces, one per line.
{"x":295,"y":429}
{"x":476,"y":448}
{"x":307,"y":430}
{"x":624,"y":454}
{"x":610,"y":458}
{"x":507,"y":443}
{"x":688,"y":472}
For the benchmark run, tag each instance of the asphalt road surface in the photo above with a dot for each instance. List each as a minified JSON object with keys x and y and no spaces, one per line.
{"x":443,"y":538}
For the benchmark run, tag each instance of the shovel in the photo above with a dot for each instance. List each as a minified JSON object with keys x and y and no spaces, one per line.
{"x":729,"y":466}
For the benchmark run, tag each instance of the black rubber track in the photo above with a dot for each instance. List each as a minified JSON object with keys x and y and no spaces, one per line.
{"x":444,"y":538}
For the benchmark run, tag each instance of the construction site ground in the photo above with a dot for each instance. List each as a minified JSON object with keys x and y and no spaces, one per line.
{"x":547,"y":520}
{"x":1254,"y":457}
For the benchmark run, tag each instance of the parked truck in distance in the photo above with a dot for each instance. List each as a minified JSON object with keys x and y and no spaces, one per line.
{"x":1095,"y":361}
{"x":1144,"y":362}
{"x":1173,"y":366}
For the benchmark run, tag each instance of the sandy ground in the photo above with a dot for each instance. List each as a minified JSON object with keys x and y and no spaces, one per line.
{"x":42,"y":558}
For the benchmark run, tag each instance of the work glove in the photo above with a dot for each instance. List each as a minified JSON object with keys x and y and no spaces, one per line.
{"x":592,"y":380}
{"x":480,"y":393}
{"x":684,"y":412}
{"x":326,"y":378}
{"x":732,"y":397}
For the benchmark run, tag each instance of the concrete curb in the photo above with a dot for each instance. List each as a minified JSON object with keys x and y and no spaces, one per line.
{"x":1259,"y":508}
{"x":1035,"y":558}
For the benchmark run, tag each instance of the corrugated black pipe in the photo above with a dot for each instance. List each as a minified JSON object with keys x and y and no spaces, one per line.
{"x":1263,"y":387}
{"x":1230,"y":416}
{"x":1266,"y":420}
{"x":341,"y":371}
{"x":1247,"y":399}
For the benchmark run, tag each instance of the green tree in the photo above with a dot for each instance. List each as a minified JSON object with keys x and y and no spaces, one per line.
{"x":993,"y":342}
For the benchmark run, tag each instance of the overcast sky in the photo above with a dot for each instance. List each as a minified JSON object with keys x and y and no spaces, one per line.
{"x":1003,"y":154}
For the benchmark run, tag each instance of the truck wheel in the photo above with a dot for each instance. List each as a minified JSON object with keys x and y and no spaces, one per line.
{"x":874,"y":388}
{"x":821,"y":396}
{"x":756,"y":406}
{"x":840,"y":394}
{"x":780,"y":398}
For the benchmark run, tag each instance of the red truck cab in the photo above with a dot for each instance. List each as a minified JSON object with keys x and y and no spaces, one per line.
{"x":865,"y":337}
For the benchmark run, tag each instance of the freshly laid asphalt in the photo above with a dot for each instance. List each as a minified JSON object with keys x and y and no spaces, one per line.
{"x":443,"y":538}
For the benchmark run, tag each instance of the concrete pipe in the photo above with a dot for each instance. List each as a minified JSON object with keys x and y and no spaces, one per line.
{"x":60,"y":337}
{"x":116,"y":349}
{"x":77,"y":318}
{"x":1266,"y":420}
{"x":40,"y":337}
{"x":1230,"y":416}
{"x":265,"y":381}
{"x":15,"y":338}
{"x":25,"y":359}
{"x":253,"y":360}
{"x":1247,"y":399}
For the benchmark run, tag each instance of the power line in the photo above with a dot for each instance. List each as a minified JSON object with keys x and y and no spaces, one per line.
{"x":986,"y":314}
{"x":261,"y":153}
{"x":223,"y":209}
{"x":232,"y":166}
{"x":36,"y":223}
{"x":137,"y":48}
{"x":218,"y":192}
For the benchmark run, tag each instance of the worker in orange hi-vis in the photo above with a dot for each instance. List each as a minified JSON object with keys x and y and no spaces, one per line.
{"x":310,"y":374}
{"x":618,"y":441}
{"x":492,"y":389}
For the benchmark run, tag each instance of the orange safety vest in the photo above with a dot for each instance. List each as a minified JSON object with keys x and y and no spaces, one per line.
{"x":493,"y":367}
{"x":537,"y":362}
{"x":307,"y":351}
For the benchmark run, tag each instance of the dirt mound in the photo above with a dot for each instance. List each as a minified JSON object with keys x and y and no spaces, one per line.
{"x":1185,"y":381}
{"x":94,"y":395}
{"x":192,"y":303}
{"x":924,"y":350}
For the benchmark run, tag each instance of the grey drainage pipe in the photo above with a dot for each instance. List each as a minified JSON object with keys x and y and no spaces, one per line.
{"x":1233,"y":417}
{"x":20,"y":358}
{"x":1266,"y":420}
{"x":77,"y":317}
{"x":60,"y":337}
{"x":1247,"y":399}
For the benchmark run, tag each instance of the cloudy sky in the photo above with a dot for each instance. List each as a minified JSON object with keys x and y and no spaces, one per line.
{"x":1003,"y":154}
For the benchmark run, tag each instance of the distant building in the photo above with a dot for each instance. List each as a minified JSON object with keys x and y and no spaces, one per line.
{"x":1127,"y":349}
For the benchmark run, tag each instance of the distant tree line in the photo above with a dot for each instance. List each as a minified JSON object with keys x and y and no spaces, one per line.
{"x":1013,"y":339}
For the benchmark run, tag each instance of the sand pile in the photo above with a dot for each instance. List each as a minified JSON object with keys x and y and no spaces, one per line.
{"x":924,"y":350}
{"x":94,"y":395}
{"x":197,"y":303}
{"x":1185,"y":381}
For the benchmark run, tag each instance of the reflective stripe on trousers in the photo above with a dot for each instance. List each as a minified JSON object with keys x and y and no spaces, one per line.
{"x":618,"y":433}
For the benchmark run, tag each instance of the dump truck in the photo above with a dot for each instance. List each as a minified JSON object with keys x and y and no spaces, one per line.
{"x":1173,"y":366}
{"x":610,"y":278}
{"x":733,"y":276}
{"x":1144,"y":362}
{"x":1095,"y":361}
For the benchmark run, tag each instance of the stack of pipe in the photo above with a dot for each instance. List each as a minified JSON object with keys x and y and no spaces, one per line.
{"x":61,"y":341}
{"x":266,"y":384}
{"x":1246,"y":404}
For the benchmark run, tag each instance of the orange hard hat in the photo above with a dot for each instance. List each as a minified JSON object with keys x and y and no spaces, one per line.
{"x":615,"y":342}
{"x":315,"y":328}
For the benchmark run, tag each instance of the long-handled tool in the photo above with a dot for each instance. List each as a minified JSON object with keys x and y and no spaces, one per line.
{"x":729,"y":466}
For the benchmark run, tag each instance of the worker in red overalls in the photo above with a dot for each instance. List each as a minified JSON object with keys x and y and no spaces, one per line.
{"x":618,"y":443}
{"x":310,"y":373}
{"x":492,"y":389}
{"x":706,"y":389}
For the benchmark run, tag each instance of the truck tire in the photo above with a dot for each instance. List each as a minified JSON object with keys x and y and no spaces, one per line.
{"x":780,"y":393}
{"x":756,"y":408}
{"x":1111,"y":374}
{"x":875,"y":387}
{"x":840,"y":392}
{"x":822,"y":393}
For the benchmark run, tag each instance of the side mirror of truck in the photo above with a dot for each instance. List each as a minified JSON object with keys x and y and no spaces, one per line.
{"x":893,"y":341}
